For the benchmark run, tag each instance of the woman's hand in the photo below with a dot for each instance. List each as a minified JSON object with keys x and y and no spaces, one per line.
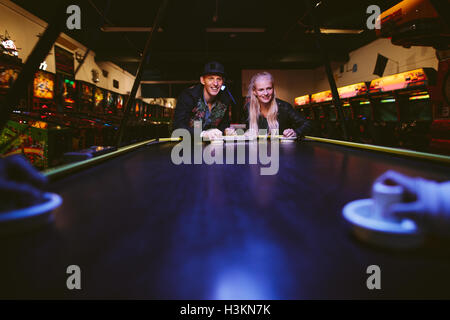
{"x":289,"y":133}
{"x":230,"y":132}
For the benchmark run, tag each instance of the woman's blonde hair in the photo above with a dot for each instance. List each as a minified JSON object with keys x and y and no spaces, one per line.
{"x":254,"y":106}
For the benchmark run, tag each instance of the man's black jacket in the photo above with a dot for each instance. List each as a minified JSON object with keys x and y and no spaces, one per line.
{"x":187,"y":102}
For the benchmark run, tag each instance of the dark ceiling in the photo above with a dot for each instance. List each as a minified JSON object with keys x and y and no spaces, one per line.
{"x":179,"y":51}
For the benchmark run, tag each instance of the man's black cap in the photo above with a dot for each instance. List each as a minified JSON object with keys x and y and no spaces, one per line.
{"x":214,"y":67}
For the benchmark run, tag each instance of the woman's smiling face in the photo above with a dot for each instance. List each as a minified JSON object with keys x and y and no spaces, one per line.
{"x":263,"y":90}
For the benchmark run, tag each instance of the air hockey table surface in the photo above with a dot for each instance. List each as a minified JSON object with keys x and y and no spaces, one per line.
{"x":139,"y":226}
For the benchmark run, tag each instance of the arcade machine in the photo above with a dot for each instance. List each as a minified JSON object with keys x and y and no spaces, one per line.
{"x":119,"y":105}
{"x":139,"y":124}
{"x":440,"y":127}
{"x":304,"y":106}
{"x":425,"y":23}
{"x":301,"y":104}
{"x":403,"y":101}
{"x":138,"y":109}
{"x":43,"y":93}
{"x":416,"y":111}
{"x":99,"y":102}
{"x":145,"y":109}
{"x":38,"y":135}
{"x":325,"y":115}
{"x":66,"y":94}
{"x":85,"y":97}
{"x":10,"y":67}
{"x":358,"y":112}
{"x":386,"y":111}
{"x":110,"y":104}
{"x":103,"y":128}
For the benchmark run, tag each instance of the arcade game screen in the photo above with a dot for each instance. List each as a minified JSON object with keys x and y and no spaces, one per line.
{"x":119,"y":101}
{"x":68,"y":92}
{"x":43,"y":86}
{"x":386,"y":110}
{"x":98,"y":100}
{"x":86,"y":99}
{"x":137,"y":108}
{"x":364,"y":111}
{"x":416,"y":107}
{"x":110,"y":102}
{"x":331,"y":113}
{"x":8,"y":75}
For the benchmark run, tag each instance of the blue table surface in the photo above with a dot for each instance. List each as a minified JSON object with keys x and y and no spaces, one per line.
{"x":139,"y":226}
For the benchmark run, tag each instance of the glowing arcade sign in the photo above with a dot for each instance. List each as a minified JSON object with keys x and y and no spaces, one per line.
{"x":9,"y":46}
{"x":301,"y":101}
{"x":322,"y":97}
{"x":399,"y":81}
{"x":352,"y":90}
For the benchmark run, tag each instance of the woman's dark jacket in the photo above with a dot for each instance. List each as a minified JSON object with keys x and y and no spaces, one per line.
{"x":288,"y":118}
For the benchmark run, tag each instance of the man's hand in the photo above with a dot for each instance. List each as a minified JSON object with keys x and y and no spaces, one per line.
{"x":211,"y":134}
{"x":289,"y":133}
{"x":424,"y":201}
{"x":20,"y":183}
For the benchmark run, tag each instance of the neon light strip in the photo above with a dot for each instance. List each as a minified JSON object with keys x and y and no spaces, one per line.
{"x":364,"y":102}
{"x":387,"y":100}
{"x":426,"y":96}
{"x":346,"y":105}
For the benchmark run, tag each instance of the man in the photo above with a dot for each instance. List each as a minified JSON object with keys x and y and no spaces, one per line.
{"x":205,"y":102}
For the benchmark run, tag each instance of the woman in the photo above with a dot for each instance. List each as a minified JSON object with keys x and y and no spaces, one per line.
{"x":265,"y":111}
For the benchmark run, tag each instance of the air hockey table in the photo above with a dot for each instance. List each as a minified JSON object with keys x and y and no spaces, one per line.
{"x":140,"y":227}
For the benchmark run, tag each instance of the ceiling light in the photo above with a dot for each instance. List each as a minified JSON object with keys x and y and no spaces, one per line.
{"x":341,"y":31}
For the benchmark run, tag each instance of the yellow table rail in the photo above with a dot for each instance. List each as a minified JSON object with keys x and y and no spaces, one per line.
{"x":72,"y":167}
{"x":402,"y":152}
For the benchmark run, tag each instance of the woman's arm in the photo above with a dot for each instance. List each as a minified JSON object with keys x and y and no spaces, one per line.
{"x":297,"y":122}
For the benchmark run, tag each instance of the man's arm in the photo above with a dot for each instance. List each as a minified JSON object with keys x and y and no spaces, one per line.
{"x":182,"y":114}
{"x":225,"y":123}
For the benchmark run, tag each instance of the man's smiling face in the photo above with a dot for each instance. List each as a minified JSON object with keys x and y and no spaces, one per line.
{"x":212,"y":83}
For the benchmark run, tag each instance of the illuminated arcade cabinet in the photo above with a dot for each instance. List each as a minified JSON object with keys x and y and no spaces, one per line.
{"x":85,"y":97}
{"x":66,"y":93}
{"x":99,"y":101}
{"x":9,"y":71}
{"x":424,"y":23}
{"x":404,"y":98}
{"x":138,"y":110}
{"x":119,"y":104}
{"x":110,"y":103}
{"x":358,"y":112}
{"x":386,"y":112}
{"x":440,"y":128}
{"x":43,"y":92}
{"x":325,"y":115}
{"x":301,"y":104}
